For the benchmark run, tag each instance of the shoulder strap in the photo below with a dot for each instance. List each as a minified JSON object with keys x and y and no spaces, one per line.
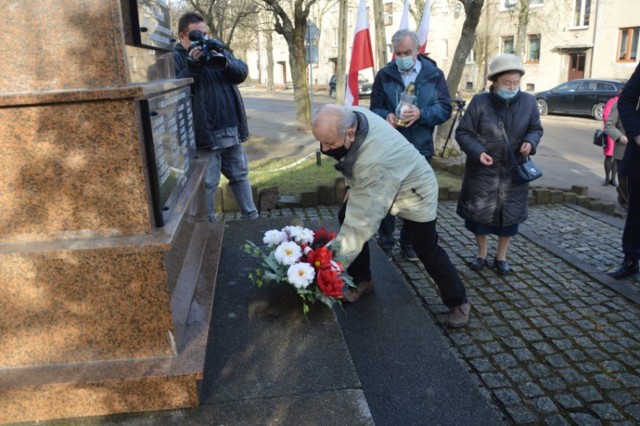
{"x":506,"y":141}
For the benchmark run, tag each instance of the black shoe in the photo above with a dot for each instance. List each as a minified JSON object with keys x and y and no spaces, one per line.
{"x":502,"y":266}
{"x":606,"y":182}
{"x":627,"y":269}
{"x":612,"y":182}
{"x":478,"y":263}
{"x":409,"y":253}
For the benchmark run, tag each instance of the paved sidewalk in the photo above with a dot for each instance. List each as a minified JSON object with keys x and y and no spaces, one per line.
{"x":558,"y":341}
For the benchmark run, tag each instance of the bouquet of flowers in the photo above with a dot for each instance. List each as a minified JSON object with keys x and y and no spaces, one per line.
{"x":303,"y":259}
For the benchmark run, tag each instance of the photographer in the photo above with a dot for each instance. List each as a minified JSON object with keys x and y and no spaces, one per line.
{"x":220,"y":121}
{"x":432,"y":107}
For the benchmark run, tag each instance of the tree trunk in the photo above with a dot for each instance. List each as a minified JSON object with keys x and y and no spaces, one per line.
{"x":297,"y":59}
{"x":381,"y":40}
{"x":341,"y":65}
{"x":523,"y":22}
{"x":473,"y":9}
{"x":269,"y":42}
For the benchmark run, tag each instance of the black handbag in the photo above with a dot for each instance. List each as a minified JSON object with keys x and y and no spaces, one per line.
{"x":600,"y":138}
{"x":525,"y":172}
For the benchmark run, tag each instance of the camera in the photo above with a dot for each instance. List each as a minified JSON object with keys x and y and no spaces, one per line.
{"x":211,"y":50}
{"x":460,"y":103}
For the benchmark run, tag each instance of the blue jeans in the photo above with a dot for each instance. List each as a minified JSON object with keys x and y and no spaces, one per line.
{"x":233,"y":164}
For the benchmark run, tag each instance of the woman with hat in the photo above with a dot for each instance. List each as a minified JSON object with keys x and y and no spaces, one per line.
{"x":492,"y":201}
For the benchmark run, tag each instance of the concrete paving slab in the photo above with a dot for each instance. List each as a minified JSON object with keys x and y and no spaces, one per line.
{"x":408,"y":371}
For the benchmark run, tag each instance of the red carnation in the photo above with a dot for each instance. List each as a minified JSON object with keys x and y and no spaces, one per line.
{"x":321,"y":237}
{"x":329,"y":282}
{"x":320,"y":258}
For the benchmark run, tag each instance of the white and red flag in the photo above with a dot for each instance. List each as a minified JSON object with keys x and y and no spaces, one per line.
{"x":361,"y":55}
{"x":423,"y":29}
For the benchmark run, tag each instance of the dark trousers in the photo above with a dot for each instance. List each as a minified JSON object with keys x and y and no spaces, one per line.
{"x":631,"y":233}
{"x":424,"y":238}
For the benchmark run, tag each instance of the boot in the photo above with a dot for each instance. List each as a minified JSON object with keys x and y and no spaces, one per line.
{"x":628,"y":268}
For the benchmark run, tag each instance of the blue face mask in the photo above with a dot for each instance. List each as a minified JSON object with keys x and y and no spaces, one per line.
{"x":507,"y":94}
{"x":405,"y":63}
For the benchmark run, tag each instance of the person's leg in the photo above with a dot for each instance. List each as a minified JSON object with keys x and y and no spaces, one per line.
{"x":211,"y":180}
{"x":503,"y":245}
{"x":424,"y":239}
{"x":235,"y":167}
{"x":608,"y":164}
{"x":405,"y":245}
{"x":614,"y":171}
{"x":622,"y":187}
{"x":359,"y":269}
{"x":631,"y":234}
{"x":385,"y":234}
{"x":481,"y":242}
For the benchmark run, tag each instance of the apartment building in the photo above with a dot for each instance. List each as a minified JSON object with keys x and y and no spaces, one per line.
{"x":562,"y":40}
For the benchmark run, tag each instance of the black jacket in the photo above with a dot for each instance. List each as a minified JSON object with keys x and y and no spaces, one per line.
{"x":630,"y":117}
{"x":218,"y":110}
{"x":490,"y":195}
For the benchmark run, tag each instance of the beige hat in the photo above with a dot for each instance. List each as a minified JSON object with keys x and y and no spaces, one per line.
{"x":503,"y":63}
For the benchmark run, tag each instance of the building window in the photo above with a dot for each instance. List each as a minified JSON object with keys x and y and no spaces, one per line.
{"x":507,"y":4}
{"x":628,"y":45}
{"x":471,"y":59}
{"x":507,"y":44}
{"x":581,"y":13}
{"x":388,"y":13}
{"x":533,"y":48}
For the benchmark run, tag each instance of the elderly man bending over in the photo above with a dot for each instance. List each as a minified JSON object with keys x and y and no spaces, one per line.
{"x":385,"y":174}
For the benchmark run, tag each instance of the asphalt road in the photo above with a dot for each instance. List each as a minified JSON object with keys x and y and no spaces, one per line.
{"x":566,"y":155}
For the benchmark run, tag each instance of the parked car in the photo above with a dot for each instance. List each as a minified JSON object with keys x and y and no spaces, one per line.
{"x":578,"y":97}
{"x":364,"y":87}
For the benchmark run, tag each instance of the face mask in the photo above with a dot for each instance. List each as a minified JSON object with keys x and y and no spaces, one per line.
{"x":337,"y":153}
{"x":405,"y":63}
{"x":507,"y":94}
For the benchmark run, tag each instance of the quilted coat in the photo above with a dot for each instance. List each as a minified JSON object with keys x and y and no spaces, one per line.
{"x":490,"y":195}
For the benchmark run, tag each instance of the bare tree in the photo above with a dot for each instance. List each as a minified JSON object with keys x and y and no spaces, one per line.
{"x":381,"y":41}
{"x":223,"y":17}
{"x":292,"y":25}
{"x":342,"y":51}
{"x":473,"y":10}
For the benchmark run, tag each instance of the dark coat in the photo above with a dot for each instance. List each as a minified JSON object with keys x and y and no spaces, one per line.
{"x":630,"y":117}
{"x":490,"y":195}
{"x":218,"y":110}
{"x":432,"y":98}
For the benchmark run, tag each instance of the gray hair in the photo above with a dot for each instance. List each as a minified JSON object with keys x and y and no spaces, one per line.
{"x":343,"y":117}
{"x":401,"y":34}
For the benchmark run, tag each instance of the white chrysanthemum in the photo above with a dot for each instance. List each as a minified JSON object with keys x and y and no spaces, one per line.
{"x":292,"y":231}
{"x":301,"y":274}
{"x":304,"y":236}
{"x":288,"y":253}
{"x":273,"y":237}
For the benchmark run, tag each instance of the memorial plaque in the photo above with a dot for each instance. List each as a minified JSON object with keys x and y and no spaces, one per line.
{"x":151,"y":24}
{"x":170,"y":146}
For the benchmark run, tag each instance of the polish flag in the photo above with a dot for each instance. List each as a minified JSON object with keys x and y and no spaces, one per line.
{"x":404,"y":20}
{"x":361,"y":55}
{"x":423,"y":29}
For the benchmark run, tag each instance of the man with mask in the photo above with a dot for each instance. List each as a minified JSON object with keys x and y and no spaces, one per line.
{"x":432,"y":107}
{"x":385,"y":173}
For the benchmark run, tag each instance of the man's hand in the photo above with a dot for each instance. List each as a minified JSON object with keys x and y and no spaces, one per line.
{"x":196,"y":53}
{"x":637,"y":139}
{"x":623,"y":139}
{"x":486,"y":159}
{"x":391,"y":119}
{"x":411,"y":115}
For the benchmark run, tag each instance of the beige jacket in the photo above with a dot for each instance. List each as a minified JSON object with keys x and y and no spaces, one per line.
{"x":388,"y":175}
